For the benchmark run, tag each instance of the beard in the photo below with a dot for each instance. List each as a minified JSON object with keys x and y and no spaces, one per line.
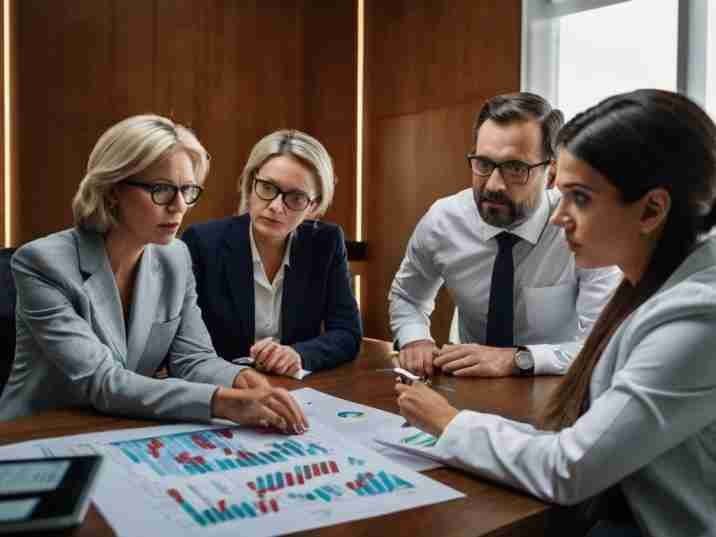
{"x":509,"y":214}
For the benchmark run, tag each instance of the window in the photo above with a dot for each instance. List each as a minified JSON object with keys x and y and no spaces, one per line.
{"x":612,"y":50}
{"x":576,"y":52}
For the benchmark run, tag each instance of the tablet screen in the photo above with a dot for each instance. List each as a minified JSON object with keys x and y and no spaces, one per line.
{"x":39,"y":476}
{"x":45,"y":494}
{"x":17,"y":509}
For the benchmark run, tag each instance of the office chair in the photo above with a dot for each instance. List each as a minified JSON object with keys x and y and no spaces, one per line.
{"x":7,"y":316}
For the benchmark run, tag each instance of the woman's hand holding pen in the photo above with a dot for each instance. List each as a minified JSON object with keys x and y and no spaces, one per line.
{"x":272,"y":357}
{"x":424,"y":408}
{"x":263,"y":406}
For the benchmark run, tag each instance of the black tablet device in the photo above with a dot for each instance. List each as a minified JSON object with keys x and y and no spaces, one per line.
{"x":45,"y":494}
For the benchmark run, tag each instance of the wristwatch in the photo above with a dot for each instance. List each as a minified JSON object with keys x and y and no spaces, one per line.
{"x":524,"y":362}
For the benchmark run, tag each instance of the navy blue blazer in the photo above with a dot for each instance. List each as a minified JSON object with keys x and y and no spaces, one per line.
{"x":319,"y":315}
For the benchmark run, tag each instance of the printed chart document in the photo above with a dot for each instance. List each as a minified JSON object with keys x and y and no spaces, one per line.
{"x":360,"y":423}
{"x":227,"y":480}
{"x":410,"y":440}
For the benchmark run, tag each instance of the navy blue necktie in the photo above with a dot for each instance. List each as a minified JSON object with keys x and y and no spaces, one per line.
{"x":500,"y":316}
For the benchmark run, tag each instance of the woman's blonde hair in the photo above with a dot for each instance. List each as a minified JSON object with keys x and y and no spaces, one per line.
{"x":304,"y":148}
{"x":124,"y":150}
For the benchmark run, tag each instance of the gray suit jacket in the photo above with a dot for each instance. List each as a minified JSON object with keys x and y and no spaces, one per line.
{"x":72,"y":345}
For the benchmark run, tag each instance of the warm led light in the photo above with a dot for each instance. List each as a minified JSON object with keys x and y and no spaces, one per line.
{"x":359,"y":124}
{"x":6,"y":118}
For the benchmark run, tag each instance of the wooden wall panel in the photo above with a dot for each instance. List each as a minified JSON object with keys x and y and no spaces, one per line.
{"x":330,"y":96}
{"x":429,"y":67}
{"x":232,"y":71}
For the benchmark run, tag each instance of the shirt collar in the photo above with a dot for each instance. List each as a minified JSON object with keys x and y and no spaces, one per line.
{"x":256,"y":258}
{"x":529,"y":230}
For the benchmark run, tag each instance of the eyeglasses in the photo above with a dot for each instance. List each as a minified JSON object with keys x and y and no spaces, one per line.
{"x":165,"y":193}
{"x":296,"y":200}
{"x":514,"y":172}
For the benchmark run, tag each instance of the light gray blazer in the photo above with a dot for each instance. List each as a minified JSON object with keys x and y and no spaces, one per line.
{"x":651,"y":425}
{"x":72,"y":345}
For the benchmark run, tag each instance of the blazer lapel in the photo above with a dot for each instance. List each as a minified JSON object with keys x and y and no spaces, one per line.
{"x":102,"y":291}
{"x":295,"y":279}
{"x":147,"y":288}
{"x":236,"y":256}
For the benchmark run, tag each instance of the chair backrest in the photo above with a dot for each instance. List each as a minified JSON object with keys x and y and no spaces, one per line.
{"x":7,"y":316}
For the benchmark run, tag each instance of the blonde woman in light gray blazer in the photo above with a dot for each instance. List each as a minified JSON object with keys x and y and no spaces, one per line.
{"x":102,"y":305}
{"x":633,"y":423}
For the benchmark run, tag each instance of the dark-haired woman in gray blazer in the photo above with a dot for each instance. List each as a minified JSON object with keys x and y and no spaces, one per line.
{"x":102,"y":305}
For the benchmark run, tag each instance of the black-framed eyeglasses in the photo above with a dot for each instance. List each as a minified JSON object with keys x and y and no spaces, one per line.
{"x":166,"y":193}
{"x":514,"y":172}
{"x":296,"y":200}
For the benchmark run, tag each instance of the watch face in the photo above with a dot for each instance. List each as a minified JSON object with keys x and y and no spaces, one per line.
{"x":524,"y":360}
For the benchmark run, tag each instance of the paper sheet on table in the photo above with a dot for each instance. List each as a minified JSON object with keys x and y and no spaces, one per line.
{"x":410,"y":440}
{"x":248,"y":361}
{"x":190,"y":479}
{"x":359,"y":422}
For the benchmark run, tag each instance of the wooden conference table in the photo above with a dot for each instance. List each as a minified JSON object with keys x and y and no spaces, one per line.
{"x":488,"y":509}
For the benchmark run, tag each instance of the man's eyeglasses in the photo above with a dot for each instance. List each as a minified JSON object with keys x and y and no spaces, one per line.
{"x":296,"y":200}
{"x":166,"y":193}
{"x":514,"y":172}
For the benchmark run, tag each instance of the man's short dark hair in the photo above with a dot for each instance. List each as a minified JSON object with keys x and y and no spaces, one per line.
{"x":523,"y":106}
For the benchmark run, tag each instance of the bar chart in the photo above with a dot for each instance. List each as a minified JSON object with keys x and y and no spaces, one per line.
{"x":222,"y":510}
{"x":210,"y":451}
{"x":276,"y":481}
{"x":420,"y":439}
{"x":369,"y":484}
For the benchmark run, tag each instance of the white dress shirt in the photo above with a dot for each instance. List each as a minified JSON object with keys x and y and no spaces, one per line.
{"x":268,"y":296}
{"x":556,"y":304}
{"x":651,"y":425}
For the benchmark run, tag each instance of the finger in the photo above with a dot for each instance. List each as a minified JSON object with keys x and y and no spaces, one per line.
{"x":476,"y":370}
{"x":282,"y":364}
{"x":293,"y":411}
{"x":460,"y":364}
{"x":401,"y":388}
{"x":266,"y":417}
{"x":264,"y":356}
{"x":428,"y":364}
{"x":450,"y":355}
{"x":293,"y":369}
{"x":260,"y":344}
{"x":416,"y":363}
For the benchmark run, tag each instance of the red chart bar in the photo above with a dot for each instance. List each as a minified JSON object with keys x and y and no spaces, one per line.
{"x":274,"y":505}
{"x":334,"y":466}
{"x":316,"y":469}
{"x":300,"y":479}
{"x":289,"y":479}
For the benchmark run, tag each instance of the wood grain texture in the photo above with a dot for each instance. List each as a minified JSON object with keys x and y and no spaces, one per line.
{"x":232,"y":71}
{"x":488,"y":509}
{"x":430,"y":65}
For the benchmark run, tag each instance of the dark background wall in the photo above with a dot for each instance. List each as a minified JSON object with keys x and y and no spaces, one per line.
{"x":235,"y":70}
{"x":231,"y":70}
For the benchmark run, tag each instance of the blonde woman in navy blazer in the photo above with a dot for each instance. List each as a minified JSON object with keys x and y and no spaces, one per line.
{"x":273,"y":283}
{"x":635,"y":415}
{"x":102,"y":305}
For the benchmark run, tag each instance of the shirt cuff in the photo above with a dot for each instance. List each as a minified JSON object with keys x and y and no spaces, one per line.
{"x":546,"y":363}
{"x":413,"y":332}
{"x":455,"y":434}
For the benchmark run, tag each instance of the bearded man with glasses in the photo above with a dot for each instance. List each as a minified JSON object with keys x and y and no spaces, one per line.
{"x":523,"y":308}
